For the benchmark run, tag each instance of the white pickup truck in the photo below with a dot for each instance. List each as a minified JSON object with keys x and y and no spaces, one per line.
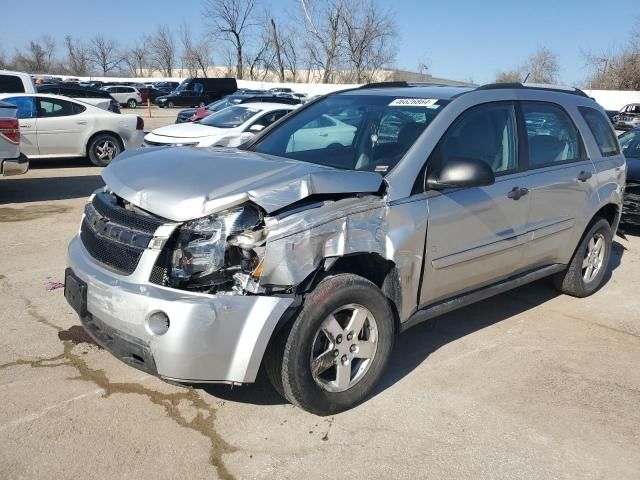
{"x":12,"y":162}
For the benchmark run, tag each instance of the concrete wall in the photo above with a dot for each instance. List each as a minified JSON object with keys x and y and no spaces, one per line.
{"x":614,"y":99}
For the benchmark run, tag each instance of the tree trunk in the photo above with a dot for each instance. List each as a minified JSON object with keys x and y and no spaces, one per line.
{"x":277,"y":47}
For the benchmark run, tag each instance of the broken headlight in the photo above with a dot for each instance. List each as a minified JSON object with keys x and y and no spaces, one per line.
{"x":202,"y":256}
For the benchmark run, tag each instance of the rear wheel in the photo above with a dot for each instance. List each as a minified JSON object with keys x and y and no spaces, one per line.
{"x":103,"y":148}
{"x":336,"y":349}
{"x":588,"y":267}
{"x":131,"y":103}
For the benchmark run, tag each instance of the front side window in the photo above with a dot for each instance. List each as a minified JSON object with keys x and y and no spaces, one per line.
{"x":487,"y":132}
{"x":229,"y":117}
{"x":551,"y":134}
{"x":26,"y":106}
{"x":601,"y":130}
{"x":54,"y":107}
{"x":353,"y":132}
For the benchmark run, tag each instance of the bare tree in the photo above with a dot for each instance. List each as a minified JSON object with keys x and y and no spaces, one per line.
{"x":48,"y":44}
{"x":369,"y":32}
{"x":104,"y":54}
{"x":162,"y":50}
{"x":509,"y":76}
{"x":542,"y":67}
{"x":196,"y":56}
{"x":323,"y":19}
{"x":77,"y":62}
{"x":618,"y":70}
{"x":136,"y":58}
{"x":231,"y":19}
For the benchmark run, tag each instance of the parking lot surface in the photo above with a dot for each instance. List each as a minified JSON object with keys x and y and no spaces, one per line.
{"x":527,"y":385}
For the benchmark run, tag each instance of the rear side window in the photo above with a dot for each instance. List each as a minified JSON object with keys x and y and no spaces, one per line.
{"x":552,"y":135}
{"x":54,"y":107}
{"x":11,"y":84}
{"x":601,"y":130}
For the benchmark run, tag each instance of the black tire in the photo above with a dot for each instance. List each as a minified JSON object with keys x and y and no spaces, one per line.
{"x":572,"y":280}
{"x":103,"y":148}
{"x":131,"y":103}
{"x":170,"y":104}
{"x":288,"y":361}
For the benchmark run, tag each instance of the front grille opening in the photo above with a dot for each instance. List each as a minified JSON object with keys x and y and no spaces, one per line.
{"x":137,"y":358}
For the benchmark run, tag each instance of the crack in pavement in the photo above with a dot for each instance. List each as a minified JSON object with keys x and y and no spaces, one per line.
{"x":203,"y":422}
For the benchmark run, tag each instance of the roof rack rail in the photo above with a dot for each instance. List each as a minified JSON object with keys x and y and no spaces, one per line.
{"x":534,"y":86}
{"x":394,"y":84}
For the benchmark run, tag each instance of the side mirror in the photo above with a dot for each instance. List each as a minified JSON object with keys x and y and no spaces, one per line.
{"x":461,"y":173}
{"x":255,"y":128}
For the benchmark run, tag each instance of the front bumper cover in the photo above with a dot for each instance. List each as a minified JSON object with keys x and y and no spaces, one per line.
{"x":210,"y":339}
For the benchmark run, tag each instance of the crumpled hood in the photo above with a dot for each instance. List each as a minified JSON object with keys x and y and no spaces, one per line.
{"x":184,"y":183}
{"x":188,"y":130}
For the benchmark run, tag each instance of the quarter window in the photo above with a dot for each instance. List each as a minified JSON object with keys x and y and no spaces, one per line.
{"x":486,"y":132}
{"x":601,"y":130}
{"x":551,"y":134}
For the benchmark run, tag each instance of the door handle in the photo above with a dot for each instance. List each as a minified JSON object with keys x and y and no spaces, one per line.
{"x":81,"y":122}
{"x":584,"y":175}
{"x":517,"y":193}
{"x":324,"y":134}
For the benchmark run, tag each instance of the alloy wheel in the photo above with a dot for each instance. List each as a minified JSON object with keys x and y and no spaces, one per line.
{"x":343,"y":348}
{"x":594,"y":258}
{"x":106,"y":150}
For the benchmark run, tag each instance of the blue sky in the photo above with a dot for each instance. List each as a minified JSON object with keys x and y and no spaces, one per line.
{"x":463,"y":39}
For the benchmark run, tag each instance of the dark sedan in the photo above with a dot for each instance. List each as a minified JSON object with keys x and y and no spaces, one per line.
{"x":630,"y":143}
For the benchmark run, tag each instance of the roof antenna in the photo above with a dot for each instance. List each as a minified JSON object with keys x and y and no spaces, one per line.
{"x":526,"y":78}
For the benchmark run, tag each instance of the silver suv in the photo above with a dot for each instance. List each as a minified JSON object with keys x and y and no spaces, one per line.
{"x":350,"y":220}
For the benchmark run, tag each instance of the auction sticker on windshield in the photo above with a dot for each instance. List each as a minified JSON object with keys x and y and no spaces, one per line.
{"x":413,"y":102}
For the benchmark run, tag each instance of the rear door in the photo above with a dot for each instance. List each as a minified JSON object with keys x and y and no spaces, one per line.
{"x":60,"y":127}
{"x":476,"y":236}
{"x":26,"y":114}
{"x":561,"y":182}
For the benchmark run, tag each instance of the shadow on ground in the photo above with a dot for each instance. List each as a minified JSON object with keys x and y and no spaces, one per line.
{"x":24,"y":190}
{"x":414,"y":346}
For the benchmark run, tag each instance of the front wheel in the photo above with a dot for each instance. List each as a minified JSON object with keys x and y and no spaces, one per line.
{"x":131,"y":103}
{"x":103,"y":148}
{"x":170,"y":104}
{"x":588,"y":267}
{"x":336,"y":349}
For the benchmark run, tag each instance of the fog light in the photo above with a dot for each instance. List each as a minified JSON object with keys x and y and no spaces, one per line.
{"x":158,"y":323}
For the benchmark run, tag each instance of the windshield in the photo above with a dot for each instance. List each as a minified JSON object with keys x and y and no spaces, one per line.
{"x":224,"y":103}
{"x":353,"y":132}
{"x":630,"y":143}
{"x":229,"y":117}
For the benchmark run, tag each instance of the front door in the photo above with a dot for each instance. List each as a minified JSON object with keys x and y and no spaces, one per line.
{"x":59,"y":127}
{"x":476,"y":236}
